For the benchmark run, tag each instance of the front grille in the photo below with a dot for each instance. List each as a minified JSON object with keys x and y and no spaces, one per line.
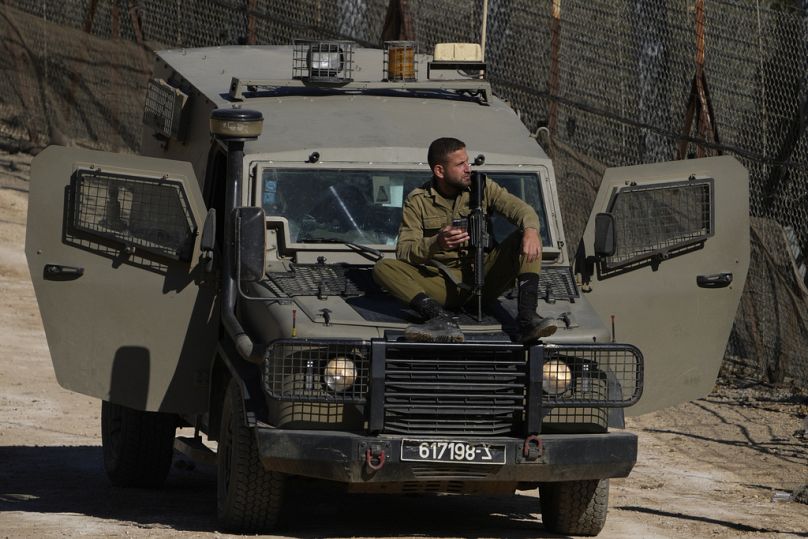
{"x":453,"y":471}
{"x":455,"y":389}
{"x":460,"y":390}
{"x":434,"y":487}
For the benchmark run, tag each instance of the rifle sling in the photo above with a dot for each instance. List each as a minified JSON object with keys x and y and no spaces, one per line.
{"x":444,"y":269}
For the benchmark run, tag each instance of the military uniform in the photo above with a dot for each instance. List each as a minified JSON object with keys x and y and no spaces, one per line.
{"x":425,"y":212}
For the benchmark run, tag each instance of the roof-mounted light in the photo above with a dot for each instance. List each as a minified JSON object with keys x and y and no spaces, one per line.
{"x":464,"y":58}
{"x":400,"y":63}
{"x":322,"y":62}
{"x":236,"y":124}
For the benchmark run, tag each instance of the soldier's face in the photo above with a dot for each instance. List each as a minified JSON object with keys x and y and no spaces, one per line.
{"x":454,"y":174}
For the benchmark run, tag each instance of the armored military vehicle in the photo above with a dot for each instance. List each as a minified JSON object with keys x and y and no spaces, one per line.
{"x":222,"y":281}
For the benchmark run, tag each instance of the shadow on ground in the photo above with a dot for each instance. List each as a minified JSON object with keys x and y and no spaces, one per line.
{"x":72,"y":480}
{"x":718,"y":522}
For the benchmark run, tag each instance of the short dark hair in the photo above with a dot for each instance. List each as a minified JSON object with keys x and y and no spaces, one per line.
{"x":440,"y":149}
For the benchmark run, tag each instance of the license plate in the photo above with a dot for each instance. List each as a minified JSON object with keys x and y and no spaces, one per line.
{"x":452,"y":451}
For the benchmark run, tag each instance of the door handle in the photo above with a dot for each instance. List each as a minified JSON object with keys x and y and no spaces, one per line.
{"x":717,"y":280}
{"x":57,"y":272}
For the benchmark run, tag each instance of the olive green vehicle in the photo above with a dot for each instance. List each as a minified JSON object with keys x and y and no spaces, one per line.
{"x":222,"y":280}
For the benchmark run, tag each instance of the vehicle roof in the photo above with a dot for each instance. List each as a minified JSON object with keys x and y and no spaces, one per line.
{"x":297,"y":118}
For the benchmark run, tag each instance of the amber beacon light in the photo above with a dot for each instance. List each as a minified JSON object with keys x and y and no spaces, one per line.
{"x":400,"y":62}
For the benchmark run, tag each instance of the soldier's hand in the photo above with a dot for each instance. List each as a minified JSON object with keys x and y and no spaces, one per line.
{"x":531,"y":244}
{"x":452,"y":237}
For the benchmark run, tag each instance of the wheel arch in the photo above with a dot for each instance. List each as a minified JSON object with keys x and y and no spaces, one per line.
{"x":227,"y":366}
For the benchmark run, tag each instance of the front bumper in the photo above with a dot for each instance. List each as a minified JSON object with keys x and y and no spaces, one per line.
{"x":343,"y":457}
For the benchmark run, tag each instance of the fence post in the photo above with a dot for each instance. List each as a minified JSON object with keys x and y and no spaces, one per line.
{"x":134,"y":15}
{"x":555,"y":45}
{"x":88,"y":20}
{"x":699,"y":103}
{"x":251,"y":38}
{"x":115,"y":22}
{"x":398,"y":22}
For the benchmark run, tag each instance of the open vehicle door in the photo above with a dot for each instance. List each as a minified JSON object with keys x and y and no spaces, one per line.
{"x":113,"y":250}
{"x":674,"y":242}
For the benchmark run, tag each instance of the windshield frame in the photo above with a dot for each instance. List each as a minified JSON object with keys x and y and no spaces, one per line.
{"x":541,"y":172}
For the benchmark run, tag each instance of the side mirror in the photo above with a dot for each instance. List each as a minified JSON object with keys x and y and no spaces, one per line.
{"x":605,"y":240}
{"x":250,"y":243}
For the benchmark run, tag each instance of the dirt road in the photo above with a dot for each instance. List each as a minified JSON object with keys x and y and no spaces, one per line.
{"x":706,"y":469}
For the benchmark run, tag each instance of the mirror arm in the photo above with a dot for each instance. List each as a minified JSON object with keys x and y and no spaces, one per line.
{"x":208,"y":241}
{"x":242,"y":341}
{"x":233,"y":127}
{"x":582,"y":266}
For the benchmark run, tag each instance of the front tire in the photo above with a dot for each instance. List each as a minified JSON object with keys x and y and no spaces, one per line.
{"x":574,"y":507}
{"x":138,"y":446}
{"x":249,"y":497}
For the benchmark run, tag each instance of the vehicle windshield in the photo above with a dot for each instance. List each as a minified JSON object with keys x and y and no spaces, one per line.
{"x":364,"y":206}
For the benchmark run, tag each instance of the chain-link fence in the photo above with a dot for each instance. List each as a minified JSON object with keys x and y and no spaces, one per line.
{"x":62,"y":85}
{"x":614,"y":83}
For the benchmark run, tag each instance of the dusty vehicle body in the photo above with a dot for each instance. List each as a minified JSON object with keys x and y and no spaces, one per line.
{"x":166,"y":292}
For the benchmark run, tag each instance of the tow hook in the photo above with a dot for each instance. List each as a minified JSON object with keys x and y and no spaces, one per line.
{"x":374,"y":458}
{"x":532,"y":449}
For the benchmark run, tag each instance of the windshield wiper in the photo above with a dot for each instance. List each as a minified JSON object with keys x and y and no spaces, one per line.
{"x":375,"y":254}
{"x":371,"y":253}
{"x":319,"y":240}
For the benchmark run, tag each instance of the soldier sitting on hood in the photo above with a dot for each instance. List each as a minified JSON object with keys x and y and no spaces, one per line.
{"x":427,"y":239}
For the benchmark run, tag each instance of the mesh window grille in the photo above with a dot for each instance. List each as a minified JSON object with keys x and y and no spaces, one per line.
{"x":163,"y":107}
{"x":149,"y":215}
{"x":660,"y":219}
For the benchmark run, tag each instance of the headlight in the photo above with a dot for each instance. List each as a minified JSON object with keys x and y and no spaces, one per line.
{"x":556,"y":377}
{"x":339,"y":374}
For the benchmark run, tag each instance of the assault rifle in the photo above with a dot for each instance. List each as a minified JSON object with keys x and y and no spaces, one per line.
{"x":478,"y":237}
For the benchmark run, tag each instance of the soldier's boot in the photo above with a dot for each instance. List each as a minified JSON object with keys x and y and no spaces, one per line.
{"x":439,"y":325}
{"x":530,"y":325}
